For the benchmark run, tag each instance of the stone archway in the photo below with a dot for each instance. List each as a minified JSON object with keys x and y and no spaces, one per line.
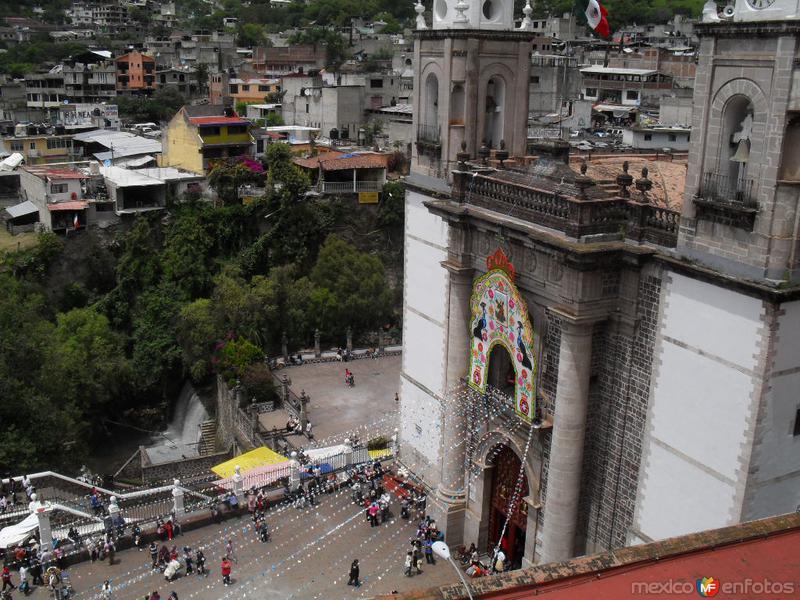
{"x":504,"y":520}
{"x":481,"y":520}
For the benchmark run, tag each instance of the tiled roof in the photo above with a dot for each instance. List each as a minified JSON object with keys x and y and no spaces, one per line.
{"x":73,"y":205}
{"x":46,"y":172}
{"x":336,"y":161}
{"x":221,"y":120}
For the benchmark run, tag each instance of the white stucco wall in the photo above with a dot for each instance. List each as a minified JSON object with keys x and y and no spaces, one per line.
{"x":774,"y":486}
{"x":703,"y":409}
{"x":425,"y":300}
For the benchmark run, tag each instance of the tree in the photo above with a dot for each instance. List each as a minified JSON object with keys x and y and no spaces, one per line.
{"x":198,"y":331}
{"x":234,"y":357}
{"x":391,"y":210}
{"x":187,"y":256}
{"x":259,"y":384}
{"x":156,"y":356}
{"x":227,"y":176}
{"x":251,"y":34}
{"x":274,"y":120}
{"x":351,"y":288}
{"x":86,"y":365}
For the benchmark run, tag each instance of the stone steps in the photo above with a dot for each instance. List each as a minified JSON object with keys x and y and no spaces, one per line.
{"x":208,"y":437}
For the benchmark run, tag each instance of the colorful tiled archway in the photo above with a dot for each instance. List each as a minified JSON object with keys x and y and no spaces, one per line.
{"x":500,"y":316}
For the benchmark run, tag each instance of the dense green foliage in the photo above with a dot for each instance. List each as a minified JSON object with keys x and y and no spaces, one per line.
{"x":97,"y":326}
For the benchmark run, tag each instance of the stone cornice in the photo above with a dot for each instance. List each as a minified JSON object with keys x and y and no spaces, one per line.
{"x":742,"y":28}
{"x":586,"y":256}
{"x":480,"y":34}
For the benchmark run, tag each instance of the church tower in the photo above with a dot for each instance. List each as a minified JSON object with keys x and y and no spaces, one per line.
{"x":471,"y":84}
{"x":741,"y":212}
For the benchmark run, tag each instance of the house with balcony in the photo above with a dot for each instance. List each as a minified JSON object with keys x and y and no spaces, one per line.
{"x":90,"y":77}
{"x":136,"y":73}
{"x":40,"y":147}
{"x":338,"y":173}
{"x":198,"y":135}
{"x":45,"y":90}
{"x":618,"y":93}
{"x":181,"y":78}
{"x":57,"y":194}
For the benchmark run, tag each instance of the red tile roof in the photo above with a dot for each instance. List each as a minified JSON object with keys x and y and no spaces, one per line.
{"x":55,"y":173}
{"x":220,"y":120}
{"x":337,"y":161}
{"x":74,"y":205}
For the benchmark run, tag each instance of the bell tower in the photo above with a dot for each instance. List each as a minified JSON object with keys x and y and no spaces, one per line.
{"x":472,"y":78}
{"x":741,"y":213}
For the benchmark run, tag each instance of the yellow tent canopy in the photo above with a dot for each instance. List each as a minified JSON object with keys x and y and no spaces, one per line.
{"x":260,"y":457}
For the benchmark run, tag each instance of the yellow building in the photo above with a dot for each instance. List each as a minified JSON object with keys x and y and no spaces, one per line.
{"x":198,"y":135}
{"x":41,"y":148}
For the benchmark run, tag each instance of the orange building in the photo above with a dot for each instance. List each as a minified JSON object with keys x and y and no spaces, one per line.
{"x":136,"y":73}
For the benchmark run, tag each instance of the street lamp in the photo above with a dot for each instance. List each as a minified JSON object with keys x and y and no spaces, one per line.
{"x":441,"y":550}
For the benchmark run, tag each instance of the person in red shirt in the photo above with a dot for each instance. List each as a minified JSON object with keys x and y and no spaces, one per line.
{"x":6,"y":576}
{"x":227,"y":567}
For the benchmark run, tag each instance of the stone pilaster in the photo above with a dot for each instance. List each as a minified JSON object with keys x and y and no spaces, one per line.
{"x":448,"y":506}
{"x":566,"y":449}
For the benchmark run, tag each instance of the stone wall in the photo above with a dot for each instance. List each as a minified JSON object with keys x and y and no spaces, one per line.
{"x":225,"y":411}
{"x":182,"y":469}
{"x":618,"y":401}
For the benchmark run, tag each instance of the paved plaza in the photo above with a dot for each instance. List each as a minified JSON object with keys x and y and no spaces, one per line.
{"x":308,"y":558}
{"x":367,"y":409}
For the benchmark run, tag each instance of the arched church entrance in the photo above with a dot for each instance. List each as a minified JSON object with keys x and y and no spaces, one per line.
{"x":501,"y":371}
{"x":506,"y":473}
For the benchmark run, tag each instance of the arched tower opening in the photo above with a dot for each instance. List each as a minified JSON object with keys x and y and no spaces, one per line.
{"x":494,"y":122}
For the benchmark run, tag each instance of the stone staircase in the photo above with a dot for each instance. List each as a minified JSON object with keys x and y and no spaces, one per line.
{"x":208,"y":437}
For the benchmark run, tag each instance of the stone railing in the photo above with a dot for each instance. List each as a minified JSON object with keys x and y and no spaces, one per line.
{"x":575,"y":216}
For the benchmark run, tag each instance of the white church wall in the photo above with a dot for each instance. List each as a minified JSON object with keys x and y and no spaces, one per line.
{"x":425,"y":300}
{"x":774,"y":486}
{"x":703,"y":409}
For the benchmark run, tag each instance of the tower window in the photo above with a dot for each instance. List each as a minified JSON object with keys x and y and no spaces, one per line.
{"x":488,"y":10}
{"x":535,"y":79}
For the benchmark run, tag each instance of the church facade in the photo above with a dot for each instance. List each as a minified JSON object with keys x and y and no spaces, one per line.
{"x":583,"y":369}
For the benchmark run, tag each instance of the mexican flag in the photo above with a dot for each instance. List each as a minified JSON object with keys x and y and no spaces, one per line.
{"x":597,"y":16}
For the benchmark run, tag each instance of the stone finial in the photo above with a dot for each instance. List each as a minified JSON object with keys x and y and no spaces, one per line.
{"x":420,"y":10}
{"x":484,"y":152}
{"x":463,"y":156}
{"x":583,"y":182}
{"x":527,"y":23}
{"x":502,"y":153}
{"x":461,"y":20}
{"x":644,"y":185}
{"x":624,"y":181}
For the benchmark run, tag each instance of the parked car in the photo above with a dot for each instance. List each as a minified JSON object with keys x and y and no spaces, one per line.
{"x":601,"y":133}
{"x":574,"y":133}
{"x":584,"y":146}
{"x":600,"y":145}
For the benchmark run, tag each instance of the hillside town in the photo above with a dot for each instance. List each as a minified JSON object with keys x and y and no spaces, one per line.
{"x":449,"y":299}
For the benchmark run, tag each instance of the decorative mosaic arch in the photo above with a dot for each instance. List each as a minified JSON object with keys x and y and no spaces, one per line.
{"x":499,"y":315}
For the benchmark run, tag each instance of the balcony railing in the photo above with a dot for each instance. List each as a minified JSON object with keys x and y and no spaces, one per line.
{"x":576,"y":217}
{"x":428,"y":134}
{"x":349,"y":187}
{"x":729,"y":190}
{"x":727,"y":200}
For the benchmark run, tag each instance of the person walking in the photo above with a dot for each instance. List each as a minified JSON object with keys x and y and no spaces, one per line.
{"x":200,"y":559}
{"x":429,"y":552}
{"x":154,"y":555}
{"x":374,"y":509}
{"x":226,"y":568}
{"x":6,"y":576}
{"x":409,"y":559}
{"x":418,"y":561}
{"x":106,"y":592}
{"x":229,"y":550}
{"x":354,"y":573}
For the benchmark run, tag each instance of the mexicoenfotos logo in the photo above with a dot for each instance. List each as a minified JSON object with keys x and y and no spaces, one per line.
{"x":708,"y":587}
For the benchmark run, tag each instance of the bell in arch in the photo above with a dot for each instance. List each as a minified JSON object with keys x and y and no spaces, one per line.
{"x":742,"y":139}
{"x":742,"y":154}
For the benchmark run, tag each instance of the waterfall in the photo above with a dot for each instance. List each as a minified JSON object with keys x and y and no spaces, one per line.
{"x":183,"y":433}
